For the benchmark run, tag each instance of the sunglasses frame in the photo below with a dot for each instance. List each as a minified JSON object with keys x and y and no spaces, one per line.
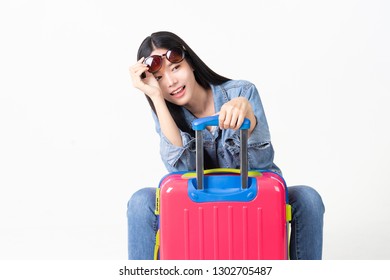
{"x":166,"y":55}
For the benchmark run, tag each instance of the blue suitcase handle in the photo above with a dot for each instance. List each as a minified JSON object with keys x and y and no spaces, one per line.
{"x":202,"y":123}
{"x":198,"y":125}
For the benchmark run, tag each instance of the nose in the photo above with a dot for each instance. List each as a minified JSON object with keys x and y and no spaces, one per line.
{"x":170,"y":78}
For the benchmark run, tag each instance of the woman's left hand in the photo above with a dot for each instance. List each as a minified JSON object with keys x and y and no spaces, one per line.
{"x":233,"y":112}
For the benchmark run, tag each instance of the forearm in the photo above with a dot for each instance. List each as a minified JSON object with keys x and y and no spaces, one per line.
{"x":178,"y":158}
{"x":167,"y":123}
{"x":260,"y":153}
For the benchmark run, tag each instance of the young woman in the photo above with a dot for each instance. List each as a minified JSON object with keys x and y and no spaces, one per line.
{"x":180,"y":87}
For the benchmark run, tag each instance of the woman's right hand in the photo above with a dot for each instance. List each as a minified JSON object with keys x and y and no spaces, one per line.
{"x":148,"y":85}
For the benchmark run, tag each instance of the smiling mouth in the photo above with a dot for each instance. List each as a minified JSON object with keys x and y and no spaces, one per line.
{"x":178,"y":90}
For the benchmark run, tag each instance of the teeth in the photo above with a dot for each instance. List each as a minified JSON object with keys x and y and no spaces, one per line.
{"x":177,"y":91}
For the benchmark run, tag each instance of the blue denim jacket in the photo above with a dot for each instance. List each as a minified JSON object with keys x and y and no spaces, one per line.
{"x":223,"y":146}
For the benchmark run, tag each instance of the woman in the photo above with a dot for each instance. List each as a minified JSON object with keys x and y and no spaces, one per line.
{"x":180,"y":87}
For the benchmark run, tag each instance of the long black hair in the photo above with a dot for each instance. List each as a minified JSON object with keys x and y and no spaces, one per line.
{"x":203,"y":74}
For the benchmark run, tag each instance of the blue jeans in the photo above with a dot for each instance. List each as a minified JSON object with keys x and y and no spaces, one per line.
{"x":306,"y":225}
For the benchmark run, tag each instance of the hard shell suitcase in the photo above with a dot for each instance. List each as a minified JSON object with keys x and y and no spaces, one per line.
{"x":222,"y":213}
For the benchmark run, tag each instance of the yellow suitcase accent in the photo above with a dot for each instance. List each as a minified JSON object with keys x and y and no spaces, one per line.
{"x":157,"y":209}
{"x":288,"y":213}
{"x":251,"y":173}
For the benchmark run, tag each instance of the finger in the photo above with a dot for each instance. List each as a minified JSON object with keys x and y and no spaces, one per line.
{"x":240,"y":121}
{"x":137,"y":70}
{"x":138,"y":66}
{"x":226,"y":121}
{"x":221,"y":118}
{"x":234,"y":119}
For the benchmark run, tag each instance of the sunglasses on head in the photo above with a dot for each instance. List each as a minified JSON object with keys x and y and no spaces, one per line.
{"x":154,"y":62}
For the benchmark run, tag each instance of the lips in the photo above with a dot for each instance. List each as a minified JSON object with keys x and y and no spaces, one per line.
{"x":178,"y":91}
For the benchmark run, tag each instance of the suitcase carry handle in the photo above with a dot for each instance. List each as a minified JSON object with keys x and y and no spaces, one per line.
{"x":200,"y":124}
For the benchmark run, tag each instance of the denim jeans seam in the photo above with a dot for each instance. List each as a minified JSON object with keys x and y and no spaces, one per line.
{"x":297,"y":241}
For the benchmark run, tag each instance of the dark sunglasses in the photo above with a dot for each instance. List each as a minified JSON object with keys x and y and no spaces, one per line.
{"x":174,"y":55}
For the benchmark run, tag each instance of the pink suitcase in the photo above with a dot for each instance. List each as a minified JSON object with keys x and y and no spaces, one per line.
{"x":222,"y":213}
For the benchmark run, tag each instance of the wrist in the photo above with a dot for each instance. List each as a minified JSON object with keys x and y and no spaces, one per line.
{"x":157,"y":98}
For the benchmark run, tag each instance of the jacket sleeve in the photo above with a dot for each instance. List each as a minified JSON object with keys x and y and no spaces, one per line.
{"x":176,"y":158}
{"x":260,"y":149}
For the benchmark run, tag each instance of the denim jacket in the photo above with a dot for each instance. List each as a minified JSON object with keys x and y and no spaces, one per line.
{"x":223,"y":146}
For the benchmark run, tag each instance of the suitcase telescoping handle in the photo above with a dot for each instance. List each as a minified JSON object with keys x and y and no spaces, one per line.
{"x":200,"y":124}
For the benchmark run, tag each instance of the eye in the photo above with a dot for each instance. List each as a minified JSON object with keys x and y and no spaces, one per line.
{"x":158,"y":78}
{"x":176,"y":67}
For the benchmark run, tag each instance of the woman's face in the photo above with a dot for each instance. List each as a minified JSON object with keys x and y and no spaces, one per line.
{"x":176,"y":80}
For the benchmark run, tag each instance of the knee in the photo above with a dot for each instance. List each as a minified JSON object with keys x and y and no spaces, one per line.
{"x":141,"y":200}
{"x":308,"y":199}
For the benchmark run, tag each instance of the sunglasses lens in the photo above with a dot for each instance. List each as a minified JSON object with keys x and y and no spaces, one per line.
{"x":154,"y":62}
{"x":175,"y":55}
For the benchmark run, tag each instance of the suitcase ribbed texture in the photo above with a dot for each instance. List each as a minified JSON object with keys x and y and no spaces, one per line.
{"x":244,"y":240}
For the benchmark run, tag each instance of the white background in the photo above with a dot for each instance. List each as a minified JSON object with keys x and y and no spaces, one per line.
{"x":77,"y":140}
